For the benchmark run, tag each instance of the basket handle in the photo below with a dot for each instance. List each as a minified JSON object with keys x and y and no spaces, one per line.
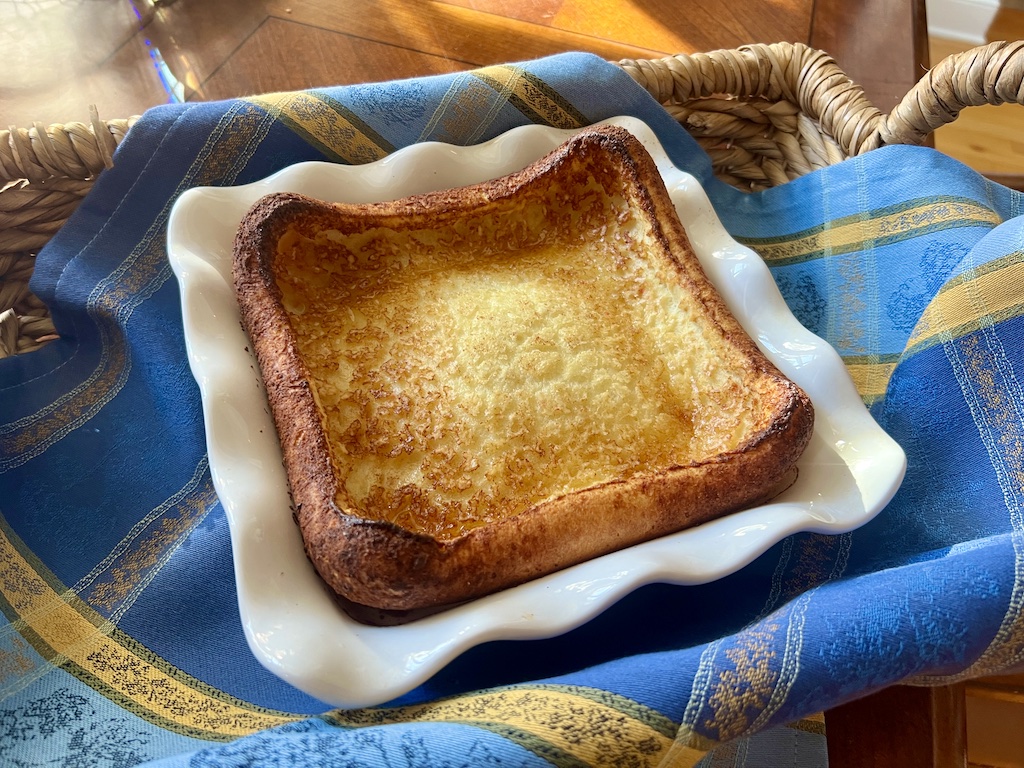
{"x":989,"y":74}
{"x":794,"y":72}
{"x":69,"y":151}
{"x":811,"y":80}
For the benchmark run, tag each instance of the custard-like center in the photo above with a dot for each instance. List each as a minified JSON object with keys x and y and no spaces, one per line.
{"x":470,"y":371}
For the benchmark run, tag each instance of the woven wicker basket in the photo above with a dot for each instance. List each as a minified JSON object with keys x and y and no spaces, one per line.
{"x":765,"y":114}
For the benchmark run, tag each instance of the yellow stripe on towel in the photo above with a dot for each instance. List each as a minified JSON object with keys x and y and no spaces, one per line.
{"x":334,"y":130}
{"x":68,"y":633}
{"x":881,"y":227}
{"x":532,"y":96}
{"x":569,"y":725}
{"x":982,"y":297}
{"x":870,"y":376}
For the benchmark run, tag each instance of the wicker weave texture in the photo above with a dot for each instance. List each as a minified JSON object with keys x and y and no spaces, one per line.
{"x":46,"y":171}
{"x":766,"y":114}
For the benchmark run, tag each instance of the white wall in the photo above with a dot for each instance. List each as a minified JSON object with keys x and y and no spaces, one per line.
{"x":966,"y":20}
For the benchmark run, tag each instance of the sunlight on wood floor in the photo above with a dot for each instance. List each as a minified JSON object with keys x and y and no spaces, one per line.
{"x":987,"y":138}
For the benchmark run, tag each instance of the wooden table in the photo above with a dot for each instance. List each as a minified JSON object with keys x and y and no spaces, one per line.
{"x":60,"y":58}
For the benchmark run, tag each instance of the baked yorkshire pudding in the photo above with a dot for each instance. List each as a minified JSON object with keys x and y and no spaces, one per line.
{"x":476,"y":387}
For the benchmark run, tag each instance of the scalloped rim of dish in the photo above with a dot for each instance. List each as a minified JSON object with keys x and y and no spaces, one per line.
{"x":295,"y":629}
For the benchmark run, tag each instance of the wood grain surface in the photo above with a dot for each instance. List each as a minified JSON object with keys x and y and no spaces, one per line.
{"x":125,"y":57}
{"x":902,"y":726}
{"x":989,"y":139}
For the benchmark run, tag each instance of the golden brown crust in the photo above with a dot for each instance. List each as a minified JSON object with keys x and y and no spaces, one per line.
{"x":388,"y":566}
